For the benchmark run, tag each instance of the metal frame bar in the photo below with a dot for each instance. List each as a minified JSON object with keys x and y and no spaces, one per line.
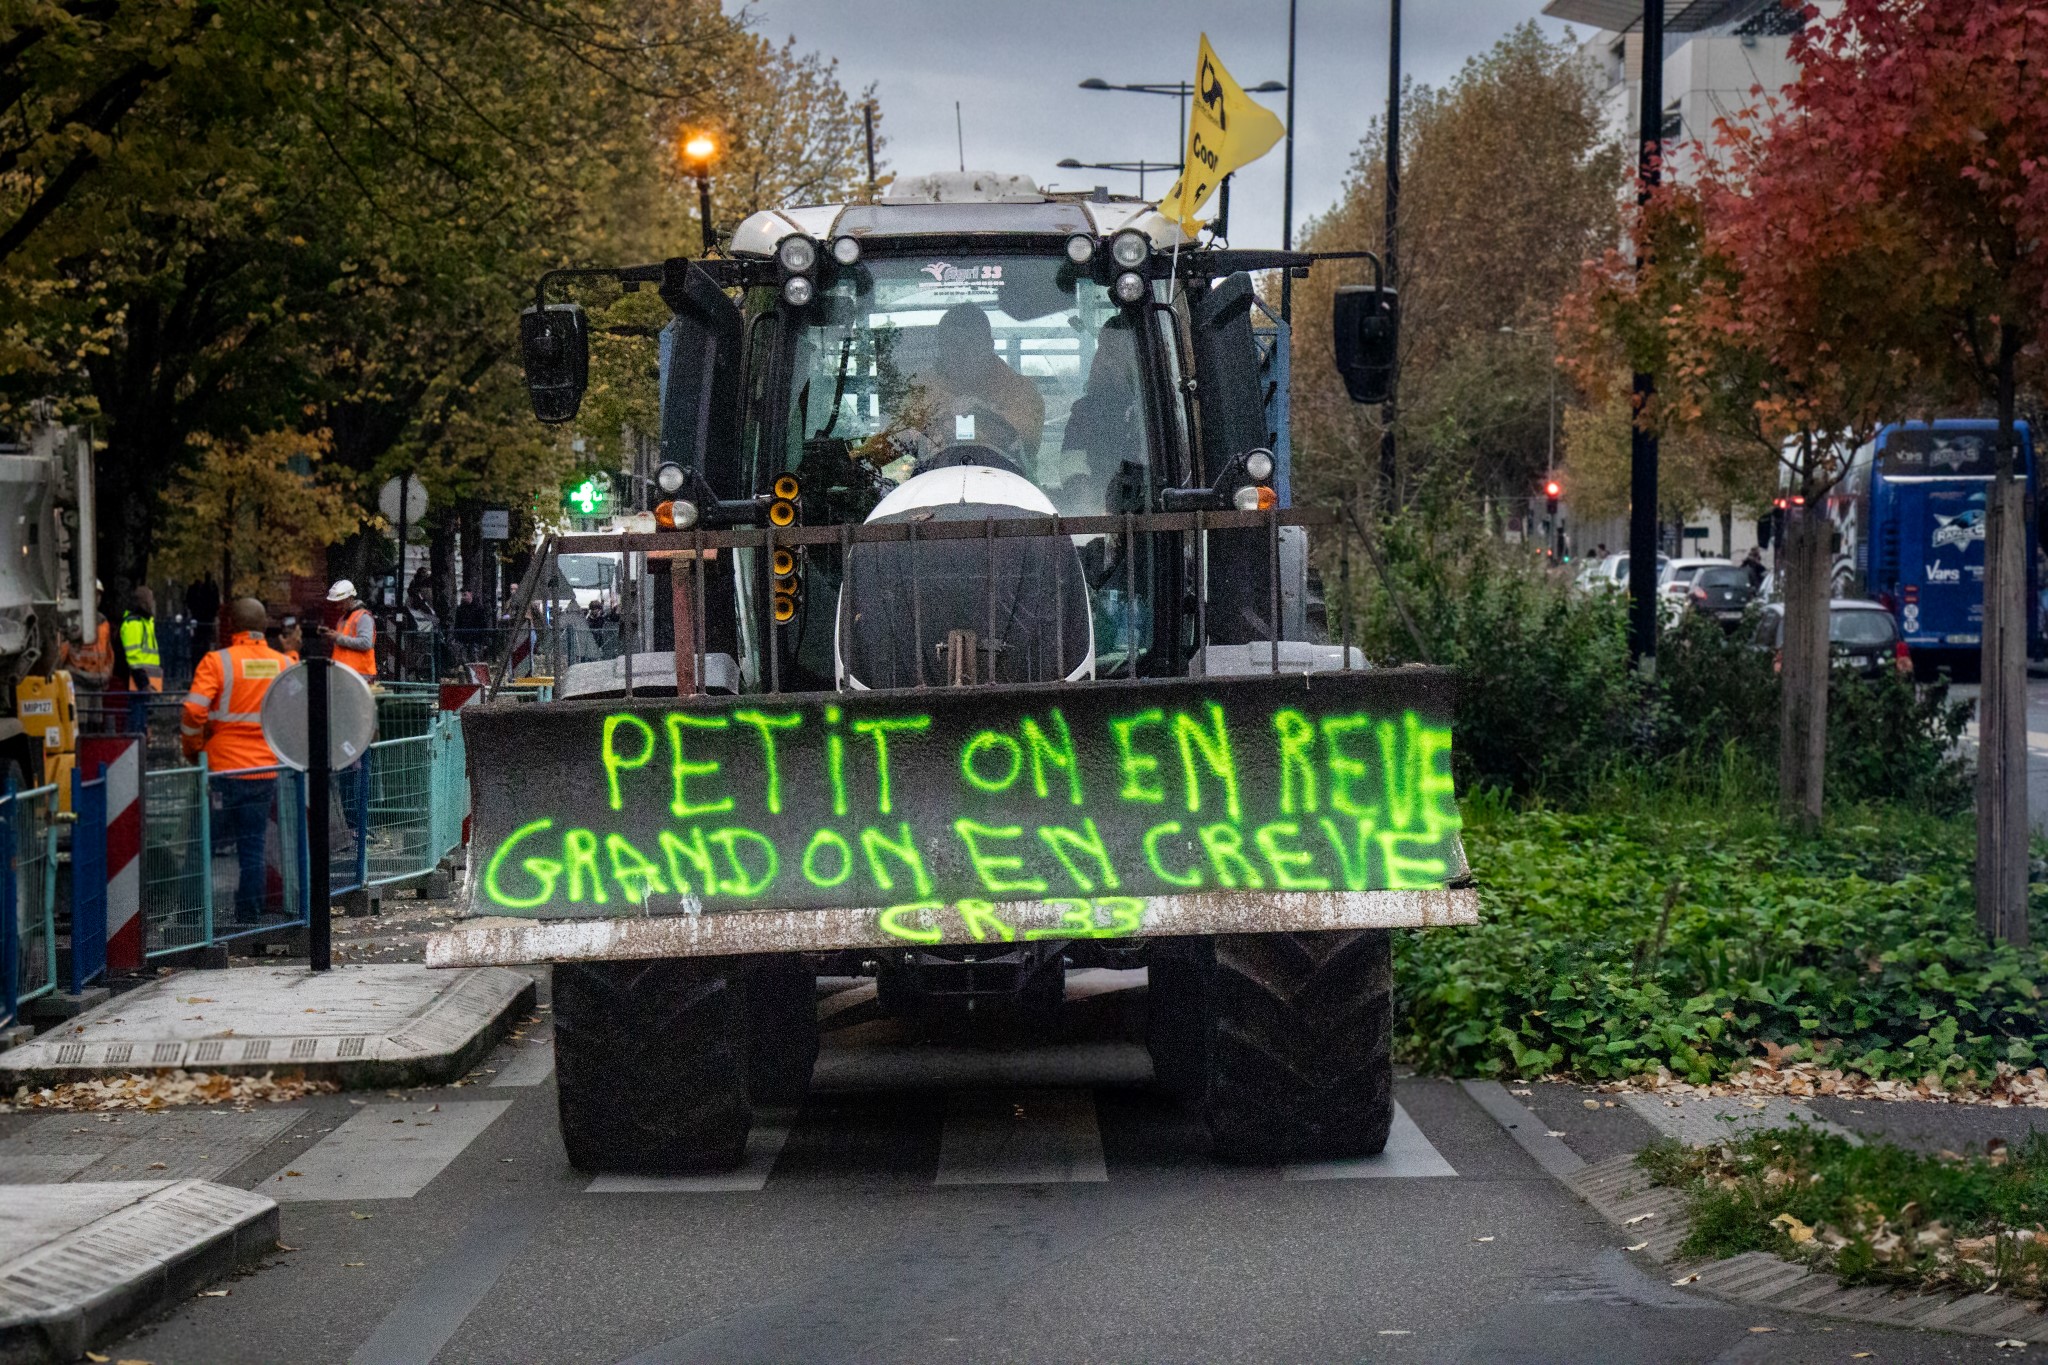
{"x":1005,"y":528}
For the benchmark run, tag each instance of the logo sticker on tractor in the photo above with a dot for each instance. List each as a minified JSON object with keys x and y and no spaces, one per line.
{"x":951,"y":803}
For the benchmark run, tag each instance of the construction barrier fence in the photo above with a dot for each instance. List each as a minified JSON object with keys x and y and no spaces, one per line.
{"x":28,"y":897}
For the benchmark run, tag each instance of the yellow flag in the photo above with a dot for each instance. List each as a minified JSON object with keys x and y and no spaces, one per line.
{"x":1225,"y":130}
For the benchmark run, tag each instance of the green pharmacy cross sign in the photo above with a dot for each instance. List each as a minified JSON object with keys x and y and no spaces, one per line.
{"x":963,"y":800}
{"x":590,"y":496}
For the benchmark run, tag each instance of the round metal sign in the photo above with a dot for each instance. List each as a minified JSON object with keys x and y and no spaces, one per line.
{"x":351,"y":716}
{"x":411,"y":489}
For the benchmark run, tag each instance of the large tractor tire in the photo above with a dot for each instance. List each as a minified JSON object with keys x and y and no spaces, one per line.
{"x":650,"y":1065}
{"x":1177,"y":1014}
{"x":1299,"y":1059}
{"x":782,"y":1029}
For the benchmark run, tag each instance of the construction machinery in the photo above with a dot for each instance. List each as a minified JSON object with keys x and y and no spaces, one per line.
{"x":976,"y":640}
{"x":46,"y":577}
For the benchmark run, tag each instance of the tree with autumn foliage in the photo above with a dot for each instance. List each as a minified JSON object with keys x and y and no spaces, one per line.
{"x":255,"y":510}
{"x":1754,"y":341}
{"x":1508,"y":182}
{"x":1864,"y":249}
{"x":1921,"y":132}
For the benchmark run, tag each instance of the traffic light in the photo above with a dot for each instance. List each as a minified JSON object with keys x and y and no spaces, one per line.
{"x":1552,"y":490}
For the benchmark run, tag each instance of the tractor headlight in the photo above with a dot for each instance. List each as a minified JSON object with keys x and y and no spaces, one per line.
{"x":798,"y":255}
{"x":1080,"y":250}
{"x":1258,"y":465}
{"x":798,"y":290}
{"x":846,"y":251}
{"x":1129,"y":249}
{"x":670,"y":478}
{"x":1129,"y":287}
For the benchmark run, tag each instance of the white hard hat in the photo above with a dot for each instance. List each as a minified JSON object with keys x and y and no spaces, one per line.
{"x":341,"y":591}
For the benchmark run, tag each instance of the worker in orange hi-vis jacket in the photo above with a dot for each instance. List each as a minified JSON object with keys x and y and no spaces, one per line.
{"x":355,"y":641}
{"x":223,"y":718}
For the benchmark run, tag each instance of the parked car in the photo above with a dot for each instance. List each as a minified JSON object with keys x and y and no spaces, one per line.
{"x":1862,"y":637}
{"x":1721,"y":591}
{"x":1611,"y":573}
{"x":1675,"y":576}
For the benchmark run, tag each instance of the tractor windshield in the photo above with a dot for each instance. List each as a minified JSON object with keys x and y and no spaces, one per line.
{"x":1018,"y":362}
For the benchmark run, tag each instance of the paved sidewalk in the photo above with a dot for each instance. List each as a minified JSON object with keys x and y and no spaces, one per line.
{"x":363,"y":1026}
{"x":79,"y":1262}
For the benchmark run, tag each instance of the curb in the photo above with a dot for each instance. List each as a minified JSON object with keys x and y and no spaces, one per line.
{"x":1621,"y":1192}
{"x":432,"y":1044}
{"x":92,"y":1282}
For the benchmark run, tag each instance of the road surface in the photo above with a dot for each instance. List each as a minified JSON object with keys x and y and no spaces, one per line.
{"x":928,"y":1203}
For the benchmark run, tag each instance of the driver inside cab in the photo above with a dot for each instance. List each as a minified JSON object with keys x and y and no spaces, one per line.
{"x":969,"y":395}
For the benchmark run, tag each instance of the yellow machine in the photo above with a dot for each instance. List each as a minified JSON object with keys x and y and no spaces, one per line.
{"x":47,"y":707}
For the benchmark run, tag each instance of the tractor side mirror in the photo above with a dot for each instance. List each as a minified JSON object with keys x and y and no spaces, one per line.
{"x":1363,"y":324}
{"x":555,"y":342}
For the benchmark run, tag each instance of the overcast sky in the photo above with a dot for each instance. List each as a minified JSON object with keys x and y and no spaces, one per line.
{"x":1013,"y":66}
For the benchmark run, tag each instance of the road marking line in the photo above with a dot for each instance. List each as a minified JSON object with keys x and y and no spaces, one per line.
{"x":1020,"y":1137}
{"x":443,"y":1297}
{"x":1407,"y":1154}
{"x":1093,"y":981}
{"x":935,"y":1067}
{"x":1530,"y":1133}
{"x":531,"y":1062}
{"x":384,"y":1151}
{"x":764,"y":1145}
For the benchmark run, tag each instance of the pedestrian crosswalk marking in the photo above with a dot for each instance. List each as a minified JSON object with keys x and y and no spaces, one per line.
{"x":1020,"y":1137}
{"x":384,"y":1151}
{"x":1407,"y":1154}
{"x":764,"y":1145}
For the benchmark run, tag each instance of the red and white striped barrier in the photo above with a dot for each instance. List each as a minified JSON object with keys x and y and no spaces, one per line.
{"x":120,"y":756}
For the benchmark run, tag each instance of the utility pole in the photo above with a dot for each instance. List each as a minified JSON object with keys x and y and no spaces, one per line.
{"x":1389,"y":491}
{"x":1287,"y":180}
{"x":1642,"y":445}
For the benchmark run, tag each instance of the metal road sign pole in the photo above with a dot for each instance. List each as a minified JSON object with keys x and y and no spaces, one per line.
{"x":319,"y":784}
{"x":1642,"y":520}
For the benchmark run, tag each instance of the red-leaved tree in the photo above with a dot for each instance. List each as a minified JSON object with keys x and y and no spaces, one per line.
{"x":1921,"y":130}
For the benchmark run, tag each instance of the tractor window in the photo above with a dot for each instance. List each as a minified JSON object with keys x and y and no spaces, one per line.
{"x":910,"y":364}
{"x":1024,"y":360}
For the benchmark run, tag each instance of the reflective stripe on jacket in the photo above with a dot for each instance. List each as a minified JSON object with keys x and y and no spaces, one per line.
{"x":355,"y":644}
{"x":223,"y":713}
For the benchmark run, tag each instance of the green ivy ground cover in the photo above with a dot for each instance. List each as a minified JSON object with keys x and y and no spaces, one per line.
{"x":1859,"y":947}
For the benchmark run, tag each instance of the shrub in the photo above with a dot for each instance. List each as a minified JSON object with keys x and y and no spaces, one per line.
{"x":1548,"y":705}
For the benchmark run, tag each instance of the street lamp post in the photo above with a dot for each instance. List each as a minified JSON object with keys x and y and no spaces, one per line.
{"x":1180,"y":91}
{"x":699,"y":150}
{"x":1140,"y":167}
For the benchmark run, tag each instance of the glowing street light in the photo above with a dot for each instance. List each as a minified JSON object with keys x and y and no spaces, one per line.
{"x":700,"y":149}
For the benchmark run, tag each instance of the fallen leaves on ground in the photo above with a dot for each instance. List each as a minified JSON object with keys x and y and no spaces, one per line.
{"x":1869,"y":1213}
{"x":166,"y":1090}
{"x":2007,"y":1088}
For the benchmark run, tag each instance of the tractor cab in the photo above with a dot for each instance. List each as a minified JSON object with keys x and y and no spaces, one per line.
{"x":970,"y":350}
